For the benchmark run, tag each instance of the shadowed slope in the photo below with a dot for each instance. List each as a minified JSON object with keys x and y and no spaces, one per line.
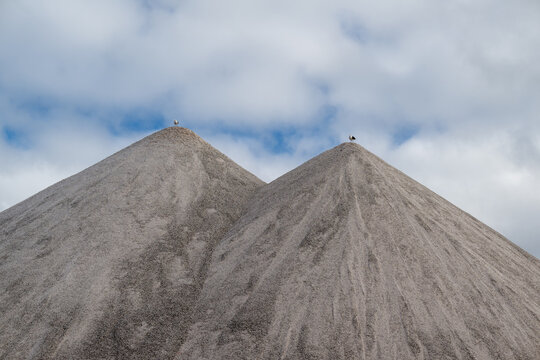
{"x":347,"y":258}
{"x":107,"y":263}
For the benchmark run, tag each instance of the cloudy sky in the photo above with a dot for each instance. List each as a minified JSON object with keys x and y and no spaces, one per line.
{"x":446,"y":91}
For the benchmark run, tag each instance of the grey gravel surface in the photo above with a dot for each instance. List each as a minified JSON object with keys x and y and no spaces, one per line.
{"x":347,"y":258}
{"x":108,"y":263}
{"x":169,"y":250}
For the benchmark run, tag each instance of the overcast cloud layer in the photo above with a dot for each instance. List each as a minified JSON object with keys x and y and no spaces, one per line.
{"x":446,"y":91}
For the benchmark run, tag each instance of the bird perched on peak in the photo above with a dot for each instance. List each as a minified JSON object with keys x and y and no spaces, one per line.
{"x":351,"y":138}
{"x":175,"y":122}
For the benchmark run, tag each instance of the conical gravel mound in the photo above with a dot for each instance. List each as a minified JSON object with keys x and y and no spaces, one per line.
{"x":169,"y":250}
{"x":347,"y":258}
{"x":107,"y":263}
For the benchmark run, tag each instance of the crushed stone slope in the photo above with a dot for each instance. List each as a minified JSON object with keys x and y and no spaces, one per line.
{"x":108,"y":263}
{"x":345,"y":257}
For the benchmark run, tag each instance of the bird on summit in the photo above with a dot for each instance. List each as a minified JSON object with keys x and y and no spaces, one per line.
{"x":175,"y":122}
{"x":351,"y":138}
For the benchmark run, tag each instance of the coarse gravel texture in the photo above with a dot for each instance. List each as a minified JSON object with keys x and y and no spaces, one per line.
{"x":169,"y":250}
{"x":108,"y":263}
{"x":345,"y":257}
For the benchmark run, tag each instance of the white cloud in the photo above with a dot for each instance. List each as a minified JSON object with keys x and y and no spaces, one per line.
{"x":480,"y":176}
{"x":465,"y":74}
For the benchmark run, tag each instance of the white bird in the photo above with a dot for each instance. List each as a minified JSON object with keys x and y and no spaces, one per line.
{"x":175,"y":122}
{"x":351,"y":138}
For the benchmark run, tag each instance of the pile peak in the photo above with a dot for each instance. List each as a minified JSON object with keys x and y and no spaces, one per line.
{"x":174,"y":135}
{"x":174,"y":132}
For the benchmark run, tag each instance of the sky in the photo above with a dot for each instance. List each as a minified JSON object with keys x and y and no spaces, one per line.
{"x":446,"y":91}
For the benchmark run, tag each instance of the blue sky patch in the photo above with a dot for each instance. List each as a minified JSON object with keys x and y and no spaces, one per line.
{"x":139,"y":120}
{"x":404,"y":133}
{"x":277,"y":141}
{"x":15,"y":137}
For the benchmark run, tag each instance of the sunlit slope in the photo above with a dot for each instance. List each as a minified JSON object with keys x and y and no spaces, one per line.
{"x":108,"y":263}
{"x":347,"y":258}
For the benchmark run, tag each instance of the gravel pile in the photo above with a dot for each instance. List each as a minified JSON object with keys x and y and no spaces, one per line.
{"x":169,"y":250}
